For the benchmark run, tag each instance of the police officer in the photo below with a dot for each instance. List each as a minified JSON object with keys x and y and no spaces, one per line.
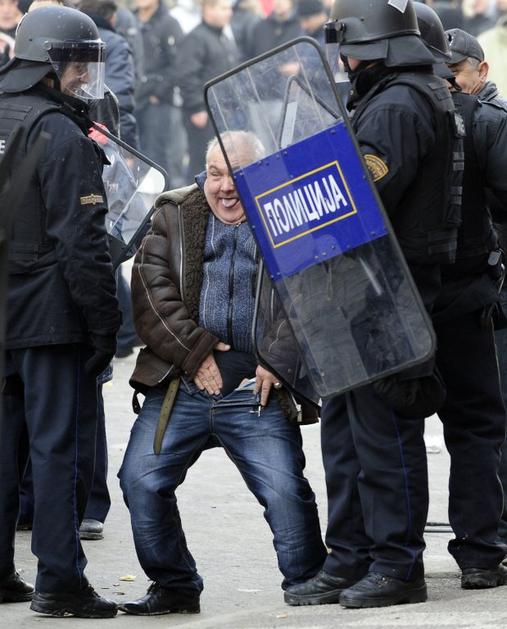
{"x":62,"y":310}
{"x":374,"y":456}
{"x":473,"y":414}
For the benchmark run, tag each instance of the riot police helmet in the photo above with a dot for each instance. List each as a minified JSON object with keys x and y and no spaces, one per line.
{"x":62,"y":41}
{"x":432,"y":32}
{"x":384,"y":30}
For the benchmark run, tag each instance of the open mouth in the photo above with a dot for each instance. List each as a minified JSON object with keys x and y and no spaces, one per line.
{"x":229,"y":204}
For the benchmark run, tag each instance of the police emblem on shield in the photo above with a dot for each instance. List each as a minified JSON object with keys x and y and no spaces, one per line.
{"x":337,"y":307}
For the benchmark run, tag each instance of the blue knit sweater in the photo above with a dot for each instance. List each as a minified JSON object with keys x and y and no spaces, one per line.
{"x":228,"y":289}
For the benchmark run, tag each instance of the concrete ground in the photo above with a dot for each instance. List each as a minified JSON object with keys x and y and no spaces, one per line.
{"x":232,"y":547}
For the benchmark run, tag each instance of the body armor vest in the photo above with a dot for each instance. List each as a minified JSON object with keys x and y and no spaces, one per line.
{"x":476,"y":237}
{"x":427,"y":224}
{"x":29,"y":245}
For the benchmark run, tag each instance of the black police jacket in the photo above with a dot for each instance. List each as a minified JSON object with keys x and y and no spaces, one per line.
{"x":61,"y":282}
{"x":406,"y":132}
{"x":471,"y":284}
{"x":405,"y":125}
{"x":206,"y":52}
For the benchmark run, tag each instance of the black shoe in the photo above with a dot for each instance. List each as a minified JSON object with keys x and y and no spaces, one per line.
{"x":377,"y":590}
{"x":14,"y":590}
{"x":91,"y":529}
{"x":160,"y":600}
{"x":83,"y":604}
{"x":480,"y":578}
{"x":321,"y":589}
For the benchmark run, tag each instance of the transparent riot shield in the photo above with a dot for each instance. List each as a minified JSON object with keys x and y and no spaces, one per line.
{"x":341,"y":282}
{"x":132,"y":183}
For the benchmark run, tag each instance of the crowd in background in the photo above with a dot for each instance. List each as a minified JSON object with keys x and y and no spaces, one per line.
{"x":159,"y":56}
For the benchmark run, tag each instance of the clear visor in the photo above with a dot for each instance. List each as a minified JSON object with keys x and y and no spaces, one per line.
{"x":334,"y":35}
{"x":80,"y":67}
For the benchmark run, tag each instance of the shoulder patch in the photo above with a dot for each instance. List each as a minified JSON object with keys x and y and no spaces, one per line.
{"x":91,"y":199}
{"x":377,"y":167}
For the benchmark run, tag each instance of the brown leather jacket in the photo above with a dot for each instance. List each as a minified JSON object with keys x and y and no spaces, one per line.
{"x":166,"y":286}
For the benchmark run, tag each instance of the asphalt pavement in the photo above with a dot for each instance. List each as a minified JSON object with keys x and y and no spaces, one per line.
{"x":232,"y":546}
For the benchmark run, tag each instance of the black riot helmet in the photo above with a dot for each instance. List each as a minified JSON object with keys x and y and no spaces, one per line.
{"x":432,"y":32}
{"x":62,"y":41}
{"x":384,"y":30}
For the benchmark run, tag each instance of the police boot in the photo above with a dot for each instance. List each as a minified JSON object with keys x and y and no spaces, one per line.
{"x":14,"y":590}
{"x":161,"y":600}
{"x":377,"y":590}
{"x":85,"y":603}
{"x":479,"y":578}
{"x":321,"y":589}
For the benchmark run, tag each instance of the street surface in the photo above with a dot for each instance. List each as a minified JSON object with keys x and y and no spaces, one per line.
{"x":232,"y":546}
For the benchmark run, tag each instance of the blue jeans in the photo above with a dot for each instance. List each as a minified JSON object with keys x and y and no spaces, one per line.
{"x":266,"y":449}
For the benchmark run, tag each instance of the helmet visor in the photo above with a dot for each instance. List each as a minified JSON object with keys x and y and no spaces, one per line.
{"x":80,"y":67}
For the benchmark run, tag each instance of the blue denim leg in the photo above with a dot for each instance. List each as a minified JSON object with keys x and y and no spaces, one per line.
{"x":268,"y":452}
{"x":148,"y":482}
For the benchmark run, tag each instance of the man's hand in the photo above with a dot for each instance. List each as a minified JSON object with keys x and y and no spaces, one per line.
{"x":200,"y":119}
{"x":264,"y":380}
{"x":154,"y":100}
{"x":208,"y":375}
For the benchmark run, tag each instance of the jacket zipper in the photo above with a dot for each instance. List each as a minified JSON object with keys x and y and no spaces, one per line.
{"x":230,"y":311}
{"x":181,"y":234}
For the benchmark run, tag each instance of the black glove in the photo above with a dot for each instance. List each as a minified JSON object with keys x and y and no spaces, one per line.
{"x":104,"y":348}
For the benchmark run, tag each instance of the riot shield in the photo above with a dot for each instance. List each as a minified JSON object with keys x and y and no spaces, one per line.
{"x":330,"y":254}
{"x":132,"y":183}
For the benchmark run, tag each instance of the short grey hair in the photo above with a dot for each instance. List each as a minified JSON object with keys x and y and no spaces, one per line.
{"x":236,"y":139}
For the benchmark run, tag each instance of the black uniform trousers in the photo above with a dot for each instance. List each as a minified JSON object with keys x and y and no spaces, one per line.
{"x":474,"y":429}
{"x":376,"y":477}
{"x":49,"y":396}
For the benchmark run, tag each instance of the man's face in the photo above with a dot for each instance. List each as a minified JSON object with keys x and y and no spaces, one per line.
{"x":218,"y":15}
{"x":74,"y":75}
{"x":470,"y":75}
{"x":220,"y":190}
{"x":10,"y":15}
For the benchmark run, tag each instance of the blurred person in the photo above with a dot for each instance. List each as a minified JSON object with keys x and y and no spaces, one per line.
{"x":204,"y":53}
{"x":312,"y":16}
{"x":126,"y":24}
{"x":494,"y":43}
{"x":188,"y":14}
{"x":120,"y":69}
{"x":279,"y":27}
{"x":156,"y":115}
{"x":477,"y":16}
{"x":62,"y":311}
{"x":449,"y":11}
{"x":246,"y":14}
{"x":205,"y":368}
{"x":10,"y":15}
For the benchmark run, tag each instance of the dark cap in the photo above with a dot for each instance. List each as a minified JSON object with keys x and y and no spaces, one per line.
{"x":463,"y":45}
{"x":306,"y":8}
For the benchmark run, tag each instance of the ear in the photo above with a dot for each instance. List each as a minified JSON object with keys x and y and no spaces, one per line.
{"x":483,"y":70}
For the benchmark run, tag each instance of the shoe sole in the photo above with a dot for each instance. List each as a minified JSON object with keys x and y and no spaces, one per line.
{"x":327,"y":598}
{"x":16,"y":598}
{"x":482,"y":582}
{"x":187,"y":610}
{"x":91,"y":536}
{"x":67,"y":611}
{"x":415,"y":596}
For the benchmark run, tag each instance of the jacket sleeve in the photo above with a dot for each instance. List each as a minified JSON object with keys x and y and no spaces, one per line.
{"x":75,"y":200}
{"x":160,"y":316}
{"x":490,"y":141}
{"x":191,"y":61}
{"x":392,"y":140}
